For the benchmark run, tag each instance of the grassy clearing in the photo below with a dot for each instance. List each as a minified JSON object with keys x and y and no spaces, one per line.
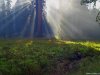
{"x":49,"y":57}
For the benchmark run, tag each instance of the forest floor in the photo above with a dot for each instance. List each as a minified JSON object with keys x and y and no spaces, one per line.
{"x":49,"y":57}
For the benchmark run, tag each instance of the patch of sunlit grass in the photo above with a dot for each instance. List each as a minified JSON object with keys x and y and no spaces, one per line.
{"x":29,"y":43}
{"x":57,"y":37}
{"x":95,"y":45}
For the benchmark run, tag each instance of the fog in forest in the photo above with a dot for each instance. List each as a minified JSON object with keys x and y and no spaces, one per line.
{"x":67,"y":19}
{"x":71,"y":20}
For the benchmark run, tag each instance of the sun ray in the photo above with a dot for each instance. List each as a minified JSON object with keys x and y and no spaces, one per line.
{"x":17,"y":14}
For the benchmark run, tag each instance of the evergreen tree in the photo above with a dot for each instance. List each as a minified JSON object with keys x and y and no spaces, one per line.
{"x":3,"y":8}
{"x":8,"y":19}
{"x":88,"y":1}
{"x":84,"y":2}
{"x":20,"y":16}
{"x":2,"y":17}
{"x":8,"y":6}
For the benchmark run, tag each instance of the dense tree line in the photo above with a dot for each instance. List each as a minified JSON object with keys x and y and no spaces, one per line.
{"x":12,"y":20}
{"x":18,"y":21}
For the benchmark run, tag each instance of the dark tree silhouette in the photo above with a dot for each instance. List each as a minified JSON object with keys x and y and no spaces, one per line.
{"x":84,"y":2}
{"x":88,"y":1}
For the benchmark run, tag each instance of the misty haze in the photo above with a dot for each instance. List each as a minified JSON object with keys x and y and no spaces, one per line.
{"x":61,"y":19}
{"x":49,"y":37}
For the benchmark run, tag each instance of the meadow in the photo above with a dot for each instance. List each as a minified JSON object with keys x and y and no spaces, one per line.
{"x":49,"y":57}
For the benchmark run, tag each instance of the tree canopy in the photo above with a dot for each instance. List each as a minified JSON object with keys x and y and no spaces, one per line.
{"x":85,"y":2}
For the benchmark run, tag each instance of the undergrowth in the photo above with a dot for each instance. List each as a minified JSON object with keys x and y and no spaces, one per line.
{"x":49,"y":57}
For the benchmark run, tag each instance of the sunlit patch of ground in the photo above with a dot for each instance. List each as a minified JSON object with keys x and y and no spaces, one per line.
{"x":49,"y":57}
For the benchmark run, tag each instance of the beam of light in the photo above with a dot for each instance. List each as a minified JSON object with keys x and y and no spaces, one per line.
{"x":69,"y":20}
{"x":30,"y":21}
{"x":13,"y":2}
{"x":25,"y":27}
{"x":24,"y":4}
{"x":18,"y":12}
{"x":32,"y":24}
{"x":17,"y":9}
{"x":98,"y":4}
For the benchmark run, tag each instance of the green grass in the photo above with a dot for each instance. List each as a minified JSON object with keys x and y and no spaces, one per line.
{"x":48,"y":57}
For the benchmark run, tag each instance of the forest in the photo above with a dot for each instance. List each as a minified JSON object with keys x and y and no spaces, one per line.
{"x":11,"y":20}
{"x":49,"y":37}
